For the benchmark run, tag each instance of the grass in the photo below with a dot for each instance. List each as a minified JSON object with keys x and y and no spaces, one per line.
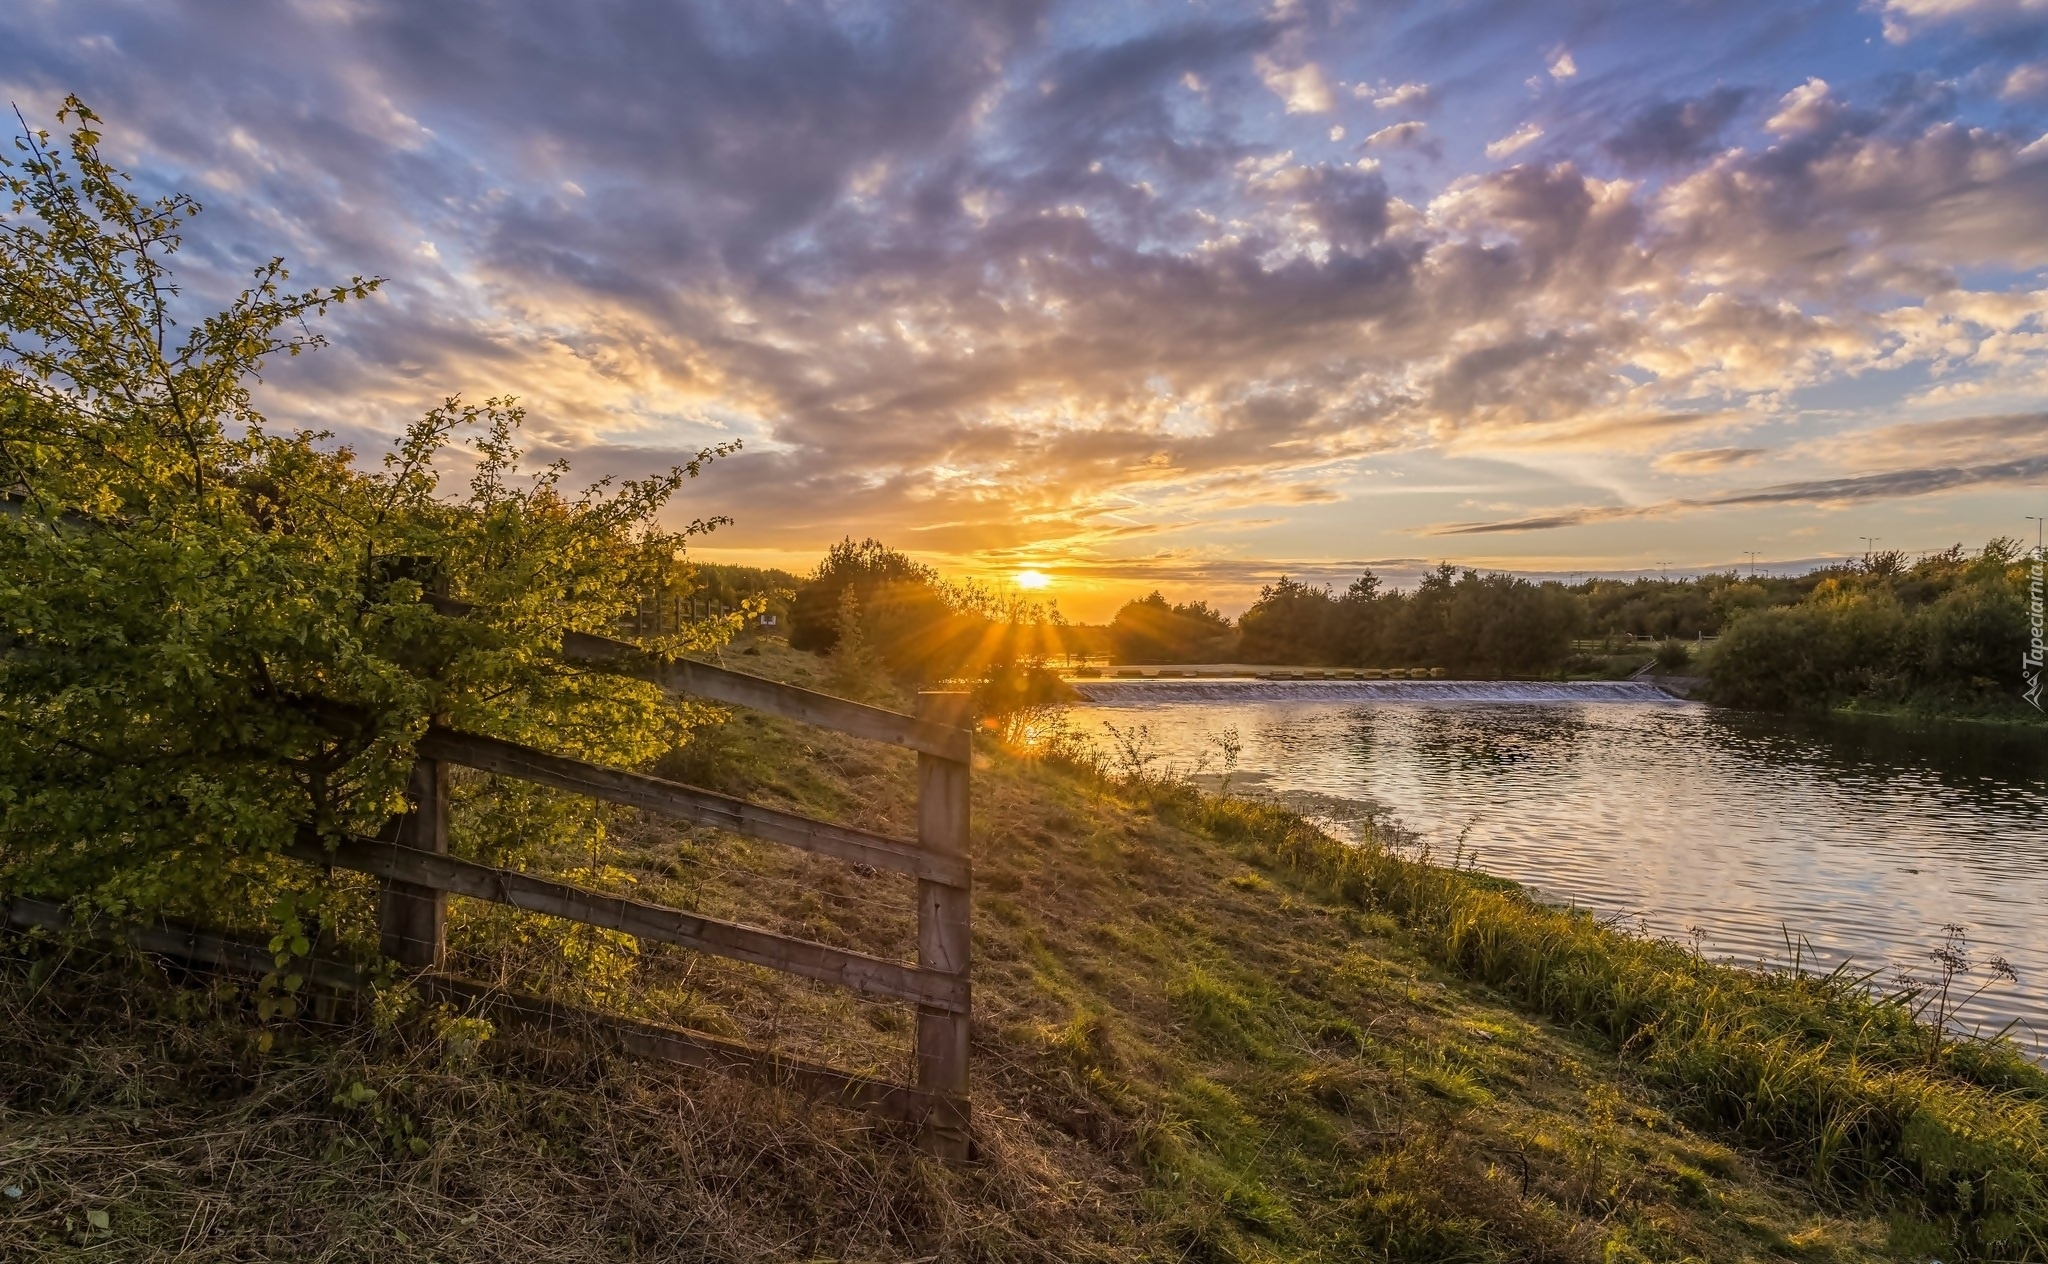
{"x":1205,"y":1031}
{"x":2012,"y":712}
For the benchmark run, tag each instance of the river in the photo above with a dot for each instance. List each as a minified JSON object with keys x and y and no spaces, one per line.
{"x":1756,"y":837}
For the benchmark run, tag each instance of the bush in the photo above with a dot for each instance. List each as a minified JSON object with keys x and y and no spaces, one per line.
{"x":215,"y":631}
{"x":1672,"y":655}
{"x":920,"y":627}
{"x":1949,"y":630}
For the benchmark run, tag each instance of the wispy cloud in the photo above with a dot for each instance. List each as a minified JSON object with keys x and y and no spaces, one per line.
{"x":1708,"y":460}
{"x":1393,"y":98}
{"x":1519,"y":139}
{"x":1886,"y":485}
{"x":1396,"y":136}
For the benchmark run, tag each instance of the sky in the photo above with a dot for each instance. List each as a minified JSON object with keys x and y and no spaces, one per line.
{"x":1150,"y":295}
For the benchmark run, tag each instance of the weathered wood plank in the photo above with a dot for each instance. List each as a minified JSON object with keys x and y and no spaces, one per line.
{"x":718,"y":684}
{"x":944,"y":929}
{"x":688,"y":803}
{"x":186,"y":944}
{"x":873,"y":976}
{"x":412,"y":920}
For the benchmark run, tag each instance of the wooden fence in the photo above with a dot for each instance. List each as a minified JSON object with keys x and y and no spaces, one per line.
{"x":418,"y":875}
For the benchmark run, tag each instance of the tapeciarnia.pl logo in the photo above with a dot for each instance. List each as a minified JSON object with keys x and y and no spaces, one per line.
{"x":2030,"y":665}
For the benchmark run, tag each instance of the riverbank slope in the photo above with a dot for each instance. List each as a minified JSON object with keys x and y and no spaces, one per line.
{"x":1205,"y":1032}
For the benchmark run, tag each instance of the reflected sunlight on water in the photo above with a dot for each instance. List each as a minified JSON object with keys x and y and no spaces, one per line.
{"x":1864,"y":837}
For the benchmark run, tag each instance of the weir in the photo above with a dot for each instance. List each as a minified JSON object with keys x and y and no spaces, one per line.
{"x":1426,"y":691}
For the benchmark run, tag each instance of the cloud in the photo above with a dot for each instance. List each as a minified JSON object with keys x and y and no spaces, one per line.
{"x":1393,"y":98}
{"x":1671,"y":133}
{"x":1562,"y":66}
{"x":2026,"y":82}
{"x":1862,"y":203}
{"x":1521,"y":138}
{"x":1902,"y":15}
{"x":1396,"y":136}
{"x":1810,"y":107}
{"x":1708,"y":460}
{"x":1887,"y":485}
{"x":1944,"y":9}
{"x":1302,"y":87}
{"x":1987,"y":441}
{"x":992,"y":280}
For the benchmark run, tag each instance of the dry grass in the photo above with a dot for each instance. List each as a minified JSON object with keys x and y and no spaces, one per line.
{"x":154,"y":1107}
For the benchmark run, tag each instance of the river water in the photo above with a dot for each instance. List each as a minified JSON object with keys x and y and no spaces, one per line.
{"x":1755,"y":836}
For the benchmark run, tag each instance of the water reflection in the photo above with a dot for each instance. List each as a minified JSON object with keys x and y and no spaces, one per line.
{"x":1862,"y":836}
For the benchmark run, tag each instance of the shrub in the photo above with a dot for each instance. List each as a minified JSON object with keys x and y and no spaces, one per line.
{"x":215,"y":630}
{"x":1950,"y":629}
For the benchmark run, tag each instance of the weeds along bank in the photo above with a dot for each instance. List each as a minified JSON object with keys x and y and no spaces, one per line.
{"x":1204,"y":1031}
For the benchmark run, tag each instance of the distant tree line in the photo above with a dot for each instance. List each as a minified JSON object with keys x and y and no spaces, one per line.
{"x":1152,"y":630}
{"x":1948,"y":629}
{"x":1466,"y":621}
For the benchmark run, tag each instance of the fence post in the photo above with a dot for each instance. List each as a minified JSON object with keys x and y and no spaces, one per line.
{"x":413,"y":919}
{"x":944,"y":933}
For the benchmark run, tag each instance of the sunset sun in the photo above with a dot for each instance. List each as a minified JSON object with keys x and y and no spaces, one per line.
{"x":1033,"y":579}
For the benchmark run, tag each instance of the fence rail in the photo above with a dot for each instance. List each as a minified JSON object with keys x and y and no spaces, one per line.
{"x":720,"y":684}
{"x":687,"y":803}
{"x":444,"y":874}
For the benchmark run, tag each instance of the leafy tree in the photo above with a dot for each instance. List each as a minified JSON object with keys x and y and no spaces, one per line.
{"x":1946,"y":631}
{"x":214,"y":629}
{"x":865,"y":568}
{"x":919,"y":626}
{"x":1152,"y":630}
{"x":1291,"y":622}
{"x":1506,"y":625}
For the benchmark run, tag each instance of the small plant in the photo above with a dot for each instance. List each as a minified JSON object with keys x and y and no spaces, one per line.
{"x":1937,"y":999}
{"x":1673,"y":655}
{"x":1132,"y":752}
{"x":855,"y":666}
{"x":1230,"y":743}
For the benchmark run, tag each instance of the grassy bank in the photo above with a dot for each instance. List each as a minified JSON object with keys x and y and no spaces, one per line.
{"x":1205,"y":1032}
